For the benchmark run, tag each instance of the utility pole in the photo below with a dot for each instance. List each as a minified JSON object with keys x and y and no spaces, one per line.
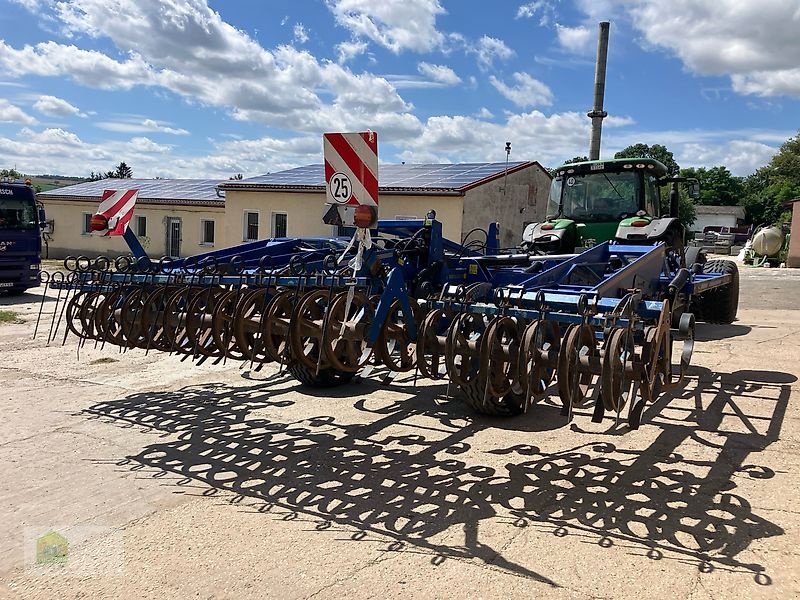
{"x":597,"y":113}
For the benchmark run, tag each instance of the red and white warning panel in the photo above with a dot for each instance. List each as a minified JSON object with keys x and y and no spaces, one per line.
{"x":114,"y":213}
{"x":351,"y":177}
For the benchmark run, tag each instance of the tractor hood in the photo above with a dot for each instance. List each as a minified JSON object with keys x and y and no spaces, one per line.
{"x":642,"y":221}
{"x":551,"y":236}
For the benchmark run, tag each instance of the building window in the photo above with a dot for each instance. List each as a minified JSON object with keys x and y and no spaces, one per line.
{"x":279,"y":222}
{"x":140,"y":225}
{"x":87,"y":224}
{"x":207,"y":232}
{"x":250,"y":226}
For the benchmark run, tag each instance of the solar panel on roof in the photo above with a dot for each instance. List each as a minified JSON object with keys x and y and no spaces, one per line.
{"x":166,"y":189}
{"x":421,"y":176}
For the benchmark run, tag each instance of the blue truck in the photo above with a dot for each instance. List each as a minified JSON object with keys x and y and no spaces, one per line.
{"x":21,"y":222}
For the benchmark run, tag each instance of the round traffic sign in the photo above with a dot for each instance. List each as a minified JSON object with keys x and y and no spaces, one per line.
{"x":340,"y":188}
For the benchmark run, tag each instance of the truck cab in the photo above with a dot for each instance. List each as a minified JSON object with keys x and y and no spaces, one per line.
{"x":20,"y":238}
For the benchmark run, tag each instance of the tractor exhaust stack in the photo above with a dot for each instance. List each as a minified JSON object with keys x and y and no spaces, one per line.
{"x":597,"y":113}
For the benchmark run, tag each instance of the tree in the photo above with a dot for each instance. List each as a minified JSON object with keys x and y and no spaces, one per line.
{"x":576,"y":159}
{"x":718,"y":186}
{"x":656,"y":151}
{"x":11,"y":173}
{"x":237,"y":177}
{"x":123,"y":171}
{"x":770,"y":187}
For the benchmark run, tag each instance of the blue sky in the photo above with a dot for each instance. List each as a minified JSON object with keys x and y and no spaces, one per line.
{"x":196,"y":88}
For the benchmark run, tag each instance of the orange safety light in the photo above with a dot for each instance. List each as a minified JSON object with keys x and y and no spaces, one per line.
{"x":365,"y":216}
{"x":548,"y":226}
{"x":640,"y":223}
{"x":98,"y":223}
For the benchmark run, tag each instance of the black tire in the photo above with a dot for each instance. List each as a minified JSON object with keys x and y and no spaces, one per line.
{"x":15,"y":291}
{"x":719,"y":305}
{"x":509,"y":405}
{"x":695,"y":254}
{"x":324,"y":379}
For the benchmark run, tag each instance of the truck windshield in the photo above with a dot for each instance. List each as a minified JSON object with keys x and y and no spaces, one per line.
{"x":17,"y":214}
{"x":596,"y":197}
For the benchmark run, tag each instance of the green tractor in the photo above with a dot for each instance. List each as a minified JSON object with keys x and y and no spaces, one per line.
{"x":596,"y":201}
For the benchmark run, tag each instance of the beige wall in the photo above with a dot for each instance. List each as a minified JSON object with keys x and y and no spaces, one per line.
{"x":512,"y":202}
{"x":304,"y":212}
{"x":68,"y":238}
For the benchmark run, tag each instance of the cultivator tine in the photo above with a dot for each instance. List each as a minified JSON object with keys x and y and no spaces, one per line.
{"x":265,"y":265}
{"x":329,"y":269}
{"x":59,"y":279}
{"x":164,"y":266}
{"x":44,"y":277}
{"x":297,"y":266}
{"x":236,"y":267}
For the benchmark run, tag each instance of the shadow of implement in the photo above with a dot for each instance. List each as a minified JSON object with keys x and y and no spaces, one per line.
{"x":412,"y":483}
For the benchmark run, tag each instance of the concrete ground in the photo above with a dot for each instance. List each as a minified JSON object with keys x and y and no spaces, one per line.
{"x":169,"y":480}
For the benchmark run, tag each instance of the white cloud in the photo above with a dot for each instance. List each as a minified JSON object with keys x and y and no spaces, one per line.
{"x":31,"y":5}
{"x":534,"y":135}
{"x":11,"y":113}
{"x":132,"y":125}
{"x":484,"y":113}
{"x":756,"y":43}
{"x":488,"y":49}
{"x":742,"y":157}
{"x":349,"y":50}
{"x":439,"y":73}
{"x":544,"y":8}
{"x":574,"y":39}
{"x":185,"y":47}
{"x":394,"y":24}
{"x":143,"y":144}
{"x":300,"y":33}
{"x":87,"y":67}
{"x":526,"y":92}
{"x":782,"y":82}
{"x":614,"y":121}
{"x":56,"y":107}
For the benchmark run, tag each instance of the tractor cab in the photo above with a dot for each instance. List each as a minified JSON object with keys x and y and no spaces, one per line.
{"x":596,"y":201}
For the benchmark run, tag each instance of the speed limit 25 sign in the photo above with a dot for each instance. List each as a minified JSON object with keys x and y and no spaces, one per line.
{"x":340,"y":188}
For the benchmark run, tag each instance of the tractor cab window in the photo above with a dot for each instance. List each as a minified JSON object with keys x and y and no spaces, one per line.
{"x":652,"y":199}
{"x":554,"y":200}
{"x":600,"y":197}
{"x":17,"y":214}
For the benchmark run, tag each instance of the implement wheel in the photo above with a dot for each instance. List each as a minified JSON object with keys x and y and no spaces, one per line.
{"x":573,"y":382}
{"x":324,"y":379}
{"x":539,"y":349}
{"x":306,"y":331}
{"x":496,"y":391}
{"x":432,"y":344}
{"x":719,"y":305}
{"x":345,"y":343}
{"x":393,"y":347}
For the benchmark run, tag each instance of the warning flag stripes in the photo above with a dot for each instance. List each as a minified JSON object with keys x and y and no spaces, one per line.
{"x":343,"y":154}
{"x":117,"y":207}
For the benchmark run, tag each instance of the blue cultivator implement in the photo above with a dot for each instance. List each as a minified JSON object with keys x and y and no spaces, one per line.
{"x":502,"y":326}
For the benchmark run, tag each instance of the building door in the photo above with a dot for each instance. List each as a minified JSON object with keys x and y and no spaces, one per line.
{"x":174,"y":238}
